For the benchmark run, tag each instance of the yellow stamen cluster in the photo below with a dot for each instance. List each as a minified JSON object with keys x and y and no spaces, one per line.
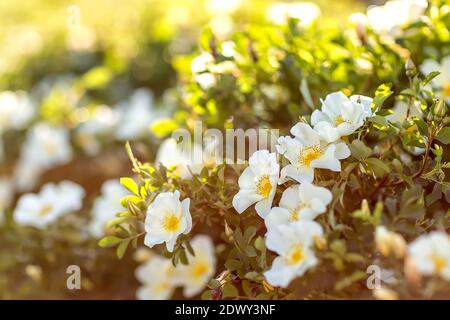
{"x":309,"y":154}
{"x":45,"y":210}
{"x":171,"y":222}
{"x":264,"y":187}
{"x":295,"y":255}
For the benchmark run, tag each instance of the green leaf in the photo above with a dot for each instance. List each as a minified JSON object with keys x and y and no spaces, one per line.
{"x":430,"y":77}
{"x":97,"y":77}
{"x":378,"y":167}
{"x":109,"y":241}
{"x":130,"y":184}
{"x":359,"y":150}
{"x":163,"y":127}
{"x":122,"y":248}
{"x":229,"y":291}
{"x":381,"y":94}
{"x":233,"y":265}
{"x":444,"y":135}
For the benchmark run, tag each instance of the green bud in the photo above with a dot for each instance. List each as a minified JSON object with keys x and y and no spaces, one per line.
{"x":439,"y":108}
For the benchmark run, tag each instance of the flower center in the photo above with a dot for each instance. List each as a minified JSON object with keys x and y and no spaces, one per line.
{"x":171,"y":222}
{"x":295,"y":255}
{"x":45,"y":210}
{"x":439,"y":263}
{"x":162,"y":286}
{"x":200,"y":269}
{"x":264,"y":187}
{"x":446,"y":89}
{"x":51,"y":148}
{"x":309,"y":154}
{"x":338,"y":120}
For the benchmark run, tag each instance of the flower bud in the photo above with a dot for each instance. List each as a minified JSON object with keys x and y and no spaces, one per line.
{"x":388,"y":242}
{"x":439,"y":108}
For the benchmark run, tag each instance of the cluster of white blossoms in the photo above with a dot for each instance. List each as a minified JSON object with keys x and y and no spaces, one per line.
{"x":159,"y":277}
{"x":53,"y":201}
{"x":306,"y":12}
{"x":291,"y":231}
{"x":394,"y":16}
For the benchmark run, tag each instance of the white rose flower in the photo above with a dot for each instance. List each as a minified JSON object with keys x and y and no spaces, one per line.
{"x":391,"y":18}
{"x":440,"y":83}
{"x":308,"y":151}
{"x":136,"y":116}
{"x":156,"y":275}
{"x":195,"y":276}
{"x":16,"y":110}
{"x":430,"y":254}
{"x":341,"y":116}
{"x":54,"y":200}
{"x":258,"y":183}
{"x":299,"y":202}
{"x":167,"y":217}
{"x":106,"y":206}
{"x":47,"y":146}
{"x":293,"y":243}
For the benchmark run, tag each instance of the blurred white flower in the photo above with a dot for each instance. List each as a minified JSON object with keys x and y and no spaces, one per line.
{"x":293,"y":243}
{"x":388,"y":242}
{"x":184,"y":158}
{"x":16,"y":110}
{"x":53,"y":201}
{"x":100,"y":125}
{"x":167,"y":217}
{"x":156,"y":275}
{"x":391,"y":18}
{"x":81,"y":39}
{"x":136,"y":115}
{"x":200,"y":268}
{"x":400,"y":111}
{"x":430,"y":254}
{"x":175,"y":156}
{"x":441,"y":83}
{"x":200,"y":69}
{"x":47,"y":146}
{"x":258,"y":183}
{"x":106,"y":206}
{"x":306,"y":12}
{"x":341,"y":116}
{"x":222,"y":7}
{"x":307,"y":151}
{"x":299,"y":202}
